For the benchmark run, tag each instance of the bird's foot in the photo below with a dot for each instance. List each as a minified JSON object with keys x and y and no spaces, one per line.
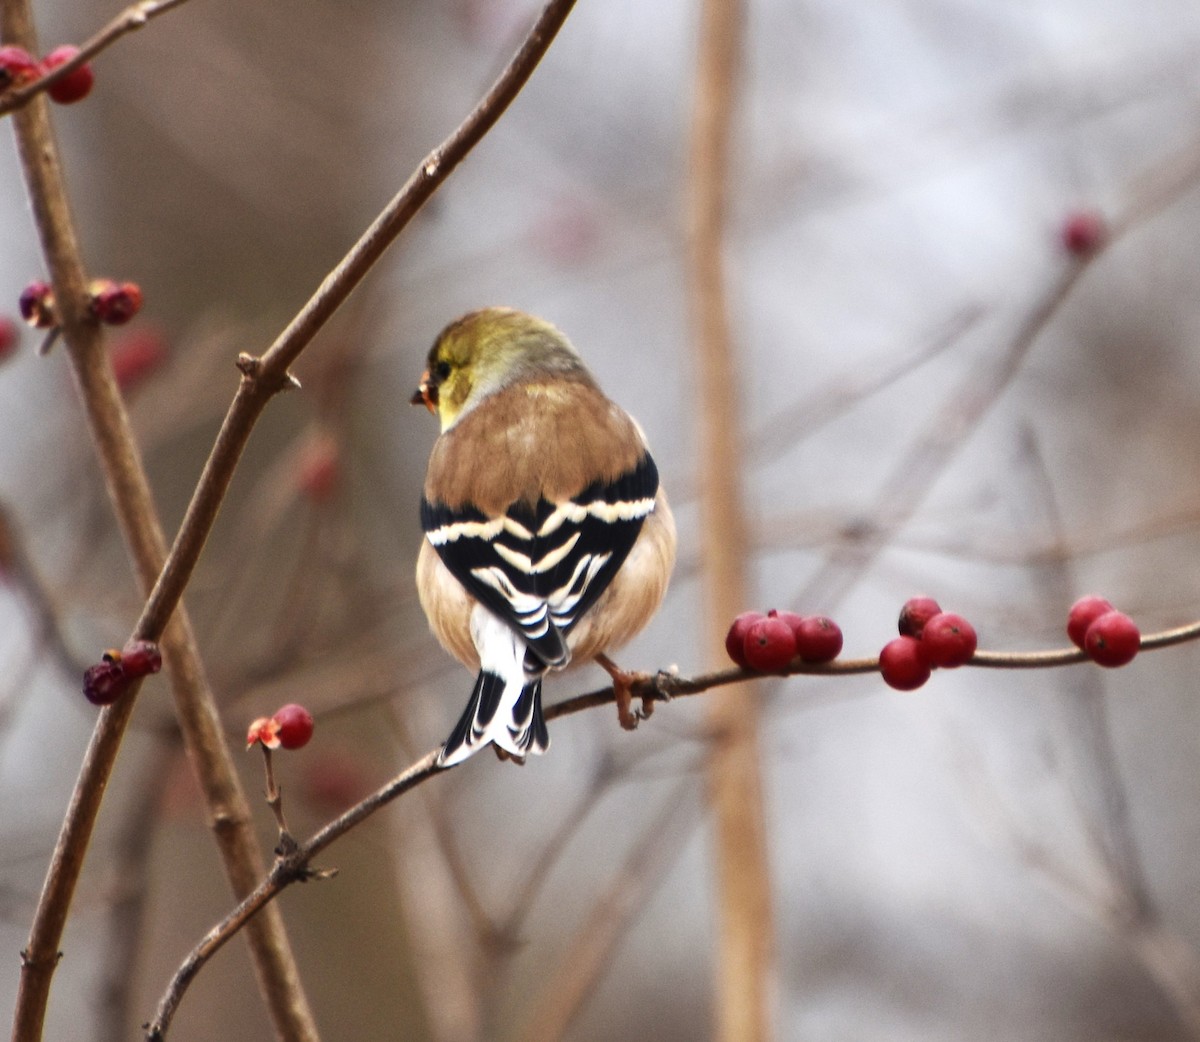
{"x":623,"y":682}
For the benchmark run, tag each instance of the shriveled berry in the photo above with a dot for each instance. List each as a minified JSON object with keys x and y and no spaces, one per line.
{"x":1083,"y":613}
{"x":295,"y":726}
{"x":140,"y":658}
{"x":1113,"y":640}
{"x":903,"y":664}
{"x":105,"y":682}
{"x":265,"y":729}
{"x":735,"y":639}
{"x":770,"y":645}
{"x":916,"y":612}
{"x":1084,"y":232}
{"x":949,"y":640}
{"x":37,"y":305}
{"x":115,"y":303}
{"x":76,"y":84}
{"x":135,"y":355}
{"x":17,"y":67}
{"x":10,"y":336}
{"x":818,"y":638}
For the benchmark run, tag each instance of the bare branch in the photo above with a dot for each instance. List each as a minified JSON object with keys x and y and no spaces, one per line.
{"x":132,"y":18}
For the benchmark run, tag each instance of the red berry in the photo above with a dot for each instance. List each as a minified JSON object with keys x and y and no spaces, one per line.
{"x":16,"y":67}
{"x":1084,"y":232}
{"x":320,"y":468}
{"x":1113,"y":639}
{"x":140,"y":658}
{"x":949,"y":640}
{"x":770,"y":645}
{"x":1083,"y":613}
{"x":75,"y":85}
{"x":903,"y":664}
{"x":735,"y":639}
{"x":115,"y":303}
{"x":135,"y":355}
{"x":818,"y":639}
{"x":37,"y":305}
{"x":105,"y":682}
{"x":916,"y":612}
{"x":295,"y":726}
{"x":10,"y":335}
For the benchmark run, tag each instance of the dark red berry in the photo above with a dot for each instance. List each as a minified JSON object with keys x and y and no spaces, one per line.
{"x":1083,"y":613}
{"x":295,"y":726}
{"x":790,"y":617}
{"x":140,"y":658}
{"x":916,"y":612}
{"x":16,"y":67}
{"x":770,"y":645}
{"x":137,"y":354}
{"x":37,"y":305}
{"x":115,"y":303}
{"x":104,"y":683}
{"x":818,"y":639}
{"x":903,"y":664}
{"x":10,"y":336}
{"x":949,"y":640}
{"x":1113,"y":639}
{"x":75,"y":85}
{"x":1084,"y":232}
{"x":735,"y":639}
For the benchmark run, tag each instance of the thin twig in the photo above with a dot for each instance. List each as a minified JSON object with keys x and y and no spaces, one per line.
{"x":263,"y":377}
{"x":261,"y":380}
{"x":133,"y":504}
{"x":129,"y":20}
{"x":660,"y":687}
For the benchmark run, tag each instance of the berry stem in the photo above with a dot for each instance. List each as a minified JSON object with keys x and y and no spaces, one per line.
{"x":275,"y":800}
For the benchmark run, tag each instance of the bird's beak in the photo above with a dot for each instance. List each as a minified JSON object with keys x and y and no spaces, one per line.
{"x":425,"y":394}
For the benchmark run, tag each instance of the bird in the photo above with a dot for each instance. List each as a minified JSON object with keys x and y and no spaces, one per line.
{"x":548,"y":540}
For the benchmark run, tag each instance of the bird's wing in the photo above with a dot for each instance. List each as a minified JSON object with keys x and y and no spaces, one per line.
{"x":540,"y":568}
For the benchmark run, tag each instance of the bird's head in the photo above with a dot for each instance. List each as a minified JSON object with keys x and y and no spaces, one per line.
{"x":485,"y":351}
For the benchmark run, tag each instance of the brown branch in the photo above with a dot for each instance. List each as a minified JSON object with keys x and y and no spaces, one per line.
{"x":131,"y":495}
{"x":661,"y":687}
{"x":133,"y":504}
{"x":129,"y":20}
{"x":746,"y":927}
{"x":262,"y":378}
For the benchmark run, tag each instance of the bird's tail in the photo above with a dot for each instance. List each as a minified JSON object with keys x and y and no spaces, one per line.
{"x":506,"y":711}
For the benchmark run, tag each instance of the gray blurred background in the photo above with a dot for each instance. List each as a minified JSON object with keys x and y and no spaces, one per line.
{"x":1003,"y":854}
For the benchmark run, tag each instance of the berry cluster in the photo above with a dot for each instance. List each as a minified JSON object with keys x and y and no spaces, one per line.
{"x":290,"y":728}
{"x":768,"y":643}
{"x":18,"y":67}
{"x":1109,"y":637}
{"x":111,"y":677}
{"x":111,"y":302}
{"x":929,"y":638}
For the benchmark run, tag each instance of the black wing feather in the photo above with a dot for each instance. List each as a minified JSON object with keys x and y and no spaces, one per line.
{"x":541,"y":581}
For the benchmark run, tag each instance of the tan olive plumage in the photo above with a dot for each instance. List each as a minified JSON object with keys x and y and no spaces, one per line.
{"x":523,"y":421}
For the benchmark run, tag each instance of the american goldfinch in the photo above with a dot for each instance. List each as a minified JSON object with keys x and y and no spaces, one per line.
{"x":547,"y":537}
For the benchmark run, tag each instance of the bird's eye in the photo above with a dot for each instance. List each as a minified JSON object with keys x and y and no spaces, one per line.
{"x":441,"y":371}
